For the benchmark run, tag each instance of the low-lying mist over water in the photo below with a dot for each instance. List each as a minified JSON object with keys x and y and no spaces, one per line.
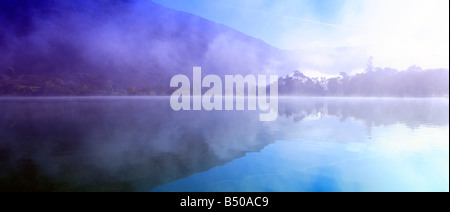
{"x":138,"y":144}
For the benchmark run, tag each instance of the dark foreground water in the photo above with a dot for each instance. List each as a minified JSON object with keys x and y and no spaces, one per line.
{"x":140,"y":144}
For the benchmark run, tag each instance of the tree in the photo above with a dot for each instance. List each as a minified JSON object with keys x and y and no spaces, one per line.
{"x":369,"y":67}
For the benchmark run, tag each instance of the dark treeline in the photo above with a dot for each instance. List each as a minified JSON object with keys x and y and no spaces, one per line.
{"x":78,"y":84}
{"x":374,"y":82}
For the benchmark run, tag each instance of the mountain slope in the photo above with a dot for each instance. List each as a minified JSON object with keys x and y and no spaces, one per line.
{"x":106,"y":47}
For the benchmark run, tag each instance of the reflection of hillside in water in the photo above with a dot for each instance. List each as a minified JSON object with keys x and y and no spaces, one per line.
{"x":132,"y":144}
{"x":137,"y":144}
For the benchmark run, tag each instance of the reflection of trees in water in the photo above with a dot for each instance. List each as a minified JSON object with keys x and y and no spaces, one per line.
{"x":373,"y":112}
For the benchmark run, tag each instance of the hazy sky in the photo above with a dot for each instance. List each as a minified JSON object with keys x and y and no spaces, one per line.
{"x":397,"y":33}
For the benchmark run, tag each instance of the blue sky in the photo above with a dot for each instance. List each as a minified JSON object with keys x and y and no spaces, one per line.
{"x":397,"y":33}
{"x":264,"y":19}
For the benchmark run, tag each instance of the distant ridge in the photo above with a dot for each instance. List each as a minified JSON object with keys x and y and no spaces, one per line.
{"x":118,"y":47}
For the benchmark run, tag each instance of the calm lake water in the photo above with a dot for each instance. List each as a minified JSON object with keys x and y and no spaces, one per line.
{"x":140,"y":144}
